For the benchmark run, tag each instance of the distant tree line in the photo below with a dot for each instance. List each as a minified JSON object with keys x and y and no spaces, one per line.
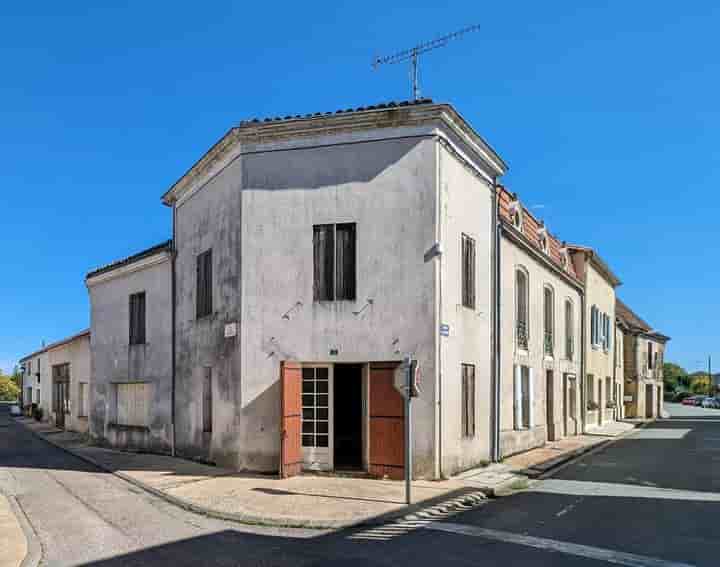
{"x":676,"y":380}
{"x":10,"y":386}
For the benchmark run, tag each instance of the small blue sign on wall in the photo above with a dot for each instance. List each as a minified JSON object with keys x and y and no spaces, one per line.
{"x":444,"y":330}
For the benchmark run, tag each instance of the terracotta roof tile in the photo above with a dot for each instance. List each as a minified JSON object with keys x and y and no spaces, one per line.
{"x":531,"y":230}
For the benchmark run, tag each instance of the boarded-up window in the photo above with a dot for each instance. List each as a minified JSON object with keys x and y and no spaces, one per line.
{"x":468,"y":271}
{"x":204,"y":284}
{"x":137,"y":318}
{"x":133,"y":404}
{"x":207,"y":415}
{"x":468,"y":400}
{"x":83,"y":397}
{"x":334,"y":269}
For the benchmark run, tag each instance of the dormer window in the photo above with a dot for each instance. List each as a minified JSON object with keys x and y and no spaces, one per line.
{"x":564,"y":259}
{"x":516,"y":214}
{"x":543,"y":239}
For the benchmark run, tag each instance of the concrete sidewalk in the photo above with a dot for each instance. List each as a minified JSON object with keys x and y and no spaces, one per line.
{"x":537,"y":462}
{"x":13,"y":544}
{"x":313,"y":501}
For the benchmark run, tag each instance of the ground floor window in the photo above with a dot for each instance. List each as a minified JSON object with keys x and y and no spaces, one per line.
{"x":83,"y":397}
{"x":608,"y":391}
{"x":468,"y":400}
{"x":207,"y":409}
{"x":523,"y":387}
{"x":133,"y":404}
{"x":590,"y":391}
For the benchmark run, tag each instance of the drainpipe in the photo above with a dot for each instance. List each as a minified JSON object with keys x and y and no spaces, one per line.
{"x":496,"y":291}
{"x":439,"y":316}
{"x":173,"y":294}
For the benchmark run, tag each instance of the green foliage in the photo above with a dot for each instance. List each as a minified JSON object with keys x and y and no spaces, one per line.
{"x":9,"y":391}
{"x":675,"y":377}
{"x":700,"y":383}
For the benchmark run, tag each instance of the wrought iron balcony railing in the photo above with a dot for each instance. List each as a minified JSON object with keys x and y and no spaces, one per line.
{"x":521,"y":333}
{"x":549,"y":343}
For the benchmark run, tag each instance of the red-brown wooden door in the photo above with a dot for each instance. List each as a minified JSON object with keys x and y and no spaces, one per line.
{"x":291,"y":458}
{"x":387,"y":423}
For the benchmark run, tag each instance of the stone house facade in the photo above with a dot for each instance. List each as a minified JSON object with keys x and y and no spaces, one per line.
{"x":602,"y":391}
{"x":131,"y":321}
{"x":643,"y":355}
{"x":540,"y":332}
{"x":311,"y":254}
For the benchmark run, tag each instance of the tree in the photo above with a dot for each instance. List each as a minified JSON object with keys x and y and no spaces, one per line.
{"x":9,"y":391}
{"x":674,"y":377}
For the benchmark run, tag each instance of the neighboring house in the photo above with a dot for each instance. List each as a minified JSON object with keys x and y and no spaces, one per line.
{"x":644,"y":353}
{"x":619,"y":373}
{"x":60,"y":375}
{"x":540,"y":332}
{"x":130,"y":319}
{"x":36,"y":381}
{"x":313,"y":253}
{"x":69,"y":362}
{"x":600,"y":389}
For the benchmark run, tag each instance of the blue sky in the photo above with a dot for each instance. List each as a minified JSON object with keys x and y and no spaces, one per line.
{"x":607,"y":113}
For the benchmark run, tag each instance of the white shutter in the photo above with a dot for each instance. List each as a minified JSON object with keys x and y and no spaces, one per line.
{"x":531,"y":398}
{"x":518,"y":396}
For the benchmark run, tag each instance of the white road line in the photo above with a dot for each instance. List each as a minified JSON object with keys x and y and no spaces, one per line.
{"x":599,"y":553}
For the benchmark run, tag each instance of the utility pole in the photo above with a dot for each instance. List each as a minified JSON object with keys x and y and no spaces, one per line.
{"x":711,"y":386}
{"x":413,"y":53}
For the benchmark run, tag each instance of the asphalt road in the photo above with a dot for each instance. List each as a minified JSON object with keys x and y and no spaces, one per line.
{"x":651,"y":499}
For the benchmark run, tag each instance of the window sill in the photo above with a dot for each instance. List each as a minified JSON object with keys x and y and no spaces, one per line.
{"x":139,"y":344}
{"x":129,"y":427}
{"x":83,"y":417}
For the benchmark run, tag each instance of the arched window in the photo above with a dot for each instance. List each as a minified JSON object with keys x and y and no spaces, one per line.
{"x":549,"y":316}
{"x":522,"y":308}
{"x":569,"y":330}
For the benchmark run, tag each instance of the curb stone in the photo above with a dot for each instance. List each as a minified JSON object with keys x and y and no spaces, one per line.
{"x":453,"y":502}
{"x":34,"y":549}
{"x":555,"y":465}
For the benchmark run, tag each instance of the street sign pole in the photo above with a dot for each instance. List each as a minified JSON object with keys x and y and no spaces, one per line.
{"x":408,"y":428}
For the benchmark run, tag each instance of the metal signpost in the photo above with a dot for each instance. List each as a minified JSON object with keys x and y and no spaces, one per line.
{"x":407,"y":381}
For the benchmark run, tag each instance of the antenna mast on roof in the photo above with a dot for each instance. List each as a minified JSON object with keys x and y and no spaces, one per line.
{"x":412,"y":55}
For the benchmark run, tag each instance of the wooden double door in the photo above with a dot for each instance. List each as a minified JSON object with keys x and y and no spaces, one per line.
{"x":310,"y":430}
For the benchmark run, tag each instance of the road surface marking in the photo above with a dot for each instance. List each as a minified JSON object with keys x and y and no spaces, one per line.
{"x":617,"y":490}
{"x":599,"y":553}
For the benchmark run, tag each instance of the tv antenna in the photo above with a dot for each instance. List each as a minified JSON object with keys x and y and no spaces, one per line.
{"x":413,"y":53}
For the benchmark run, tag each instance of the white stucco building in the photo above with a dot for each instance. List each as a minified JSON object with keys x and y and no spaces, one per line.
{"x":312,"y":253}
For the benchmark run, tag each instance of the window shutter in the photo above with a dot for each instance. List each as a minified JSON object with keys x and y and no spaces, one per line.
{"x":518,"y":397}
{"x":345,"y":261}
{"x":531,"y":398}
{"x":323,"y":262}
{"x":207,"y":400}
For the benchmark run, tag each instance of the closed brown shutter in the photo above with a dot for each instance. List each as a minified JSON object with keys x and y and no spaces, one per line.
{"x":204,"y":284}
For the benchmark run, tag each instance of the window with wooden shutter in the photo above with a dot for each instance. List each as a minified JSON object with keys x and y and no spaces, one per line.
{"x":468,"y":400}
{"x":468,"y":271}
{"x":207,"y":415}
{"x":521,"y":316}
{"x":548,"y":310}
{"x":204,"y":284}
{"x":345,"y":261}
{"x":334,"y":262}
{"x":569,"y":331}
{"x":137,"y":318}
{"x":650,"y":355}
{"x":83,"y":397}
{"x":133,"y":404}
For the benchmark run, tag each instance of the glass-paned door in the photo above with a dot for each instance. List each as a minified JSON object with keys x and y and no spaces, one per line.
{"x":316,"y":418}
